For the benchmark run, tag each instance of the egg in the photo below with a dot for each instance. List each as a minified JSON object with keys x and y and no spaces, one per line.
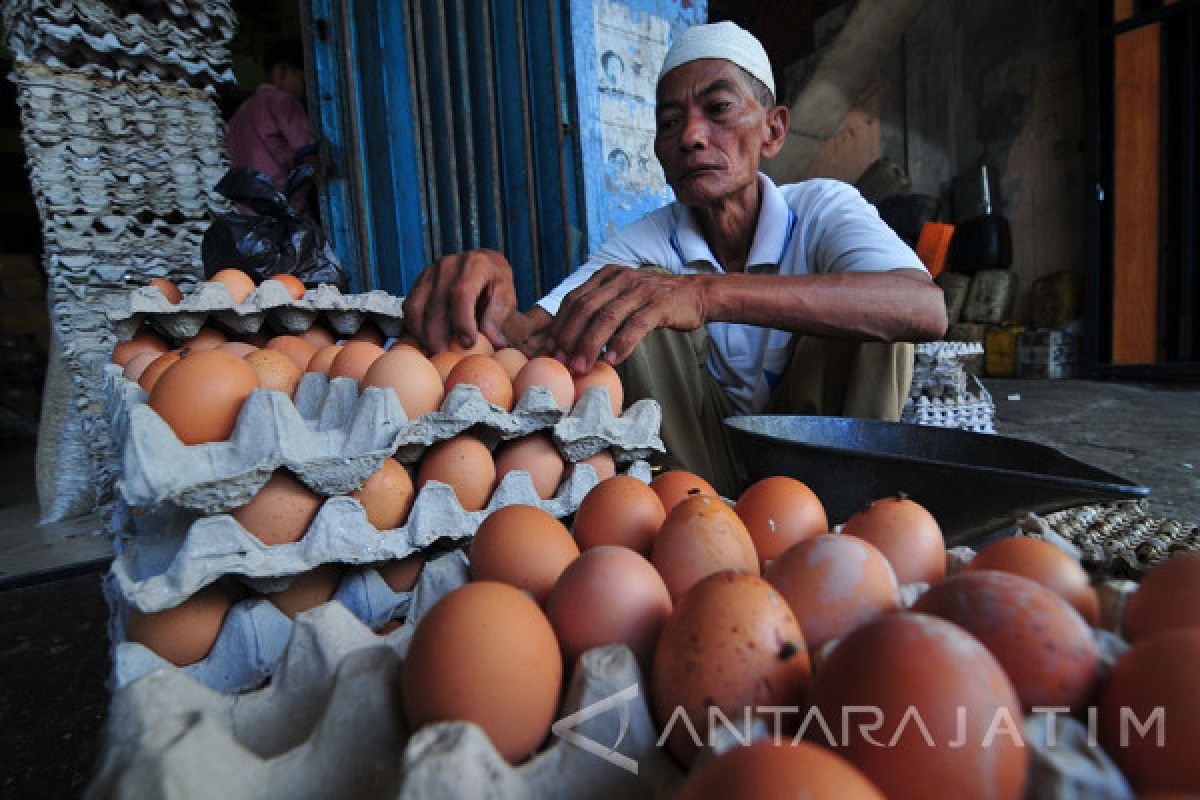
{"x":186,"y":633}
{"x":295,"y":348}
{"x":239,"y":349}
{"x":368,"y":333}
{"x":783,"y":770}
{"x":387,"y":496}
{"x":485,"y":653}
{"x":239,"y":285}
{"x":834,"y":584}
{"x":290,"y":282}
{"x":156,"y":368}
{"x":318,"y":337}
{"x":281,"y":511}
{"x":308,"y":590}
{"x":524,"y":547}
{"x":354,"y":359}
{"x":137,"y":365}
{"x":675,"y":486}
{"x":537,"y":455}
{"x":276,"y":371}
{"x":201,"y":395}
{"x":545,"y":371}
{"x":401,"y":574}
{"x":603,"y":375}
{"x":205,"y":339}
{"x":1167,"y":599}
{"x":168,"y":289}
{"x":1153,"y":685}
{"x":942,"y":707}
{"x":409,"y":374}
{"x":621,"y":511}
{"x":464,"y":464}
{"x":608,"y":595}
{"x":444,"y":362}
{"x":486,"y":374}
{"x":1042,"y":643}
{"x":699,"y":537}
{"x":907,"y":534}
{"x":1046,"y":564}
{"x":780,"y":512}
{"x":513,"y":360}
{"x":482,"y":347}
{"x":143,"y":341}
{"x":322,"y":360}
{"x":731,"y":643}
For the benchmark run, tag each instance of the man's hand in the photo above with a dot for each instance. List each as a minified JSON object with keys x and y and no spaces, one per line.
{"x":616,"y":308}
{"x":459,"y":297}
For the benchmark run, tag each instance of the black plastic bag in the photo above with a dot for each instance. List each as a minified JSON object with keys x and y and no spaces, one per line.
{"x":274,"y":239}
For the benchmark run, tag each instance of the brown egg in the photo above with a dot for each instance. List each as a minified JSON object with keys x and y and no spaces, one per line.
{"x":486,"y":654}
{"x":622,"y":511}
{"x":205,"y":339}
{"x":1042,"y":643}
{"x":239,"y":349}
{"x":168,"y":289}
{"x":545,"y":371}
{"x":318,"y":337}
{"x":137,"y":365}
{"x":608,"y":595}
{"x":416,"y":382}
{"x":275,"y":371}
{"x":780,"y":512}
{"x":322,"y":360}
{"x":486,"y":374}
{"x":907,"y":534}
{"x":295,"y":348}
{"x":537,"y":455}
{"x":524,"y":547}
{"x":464,"y":464}
{"x":783,"y":770}
{"x":482,"y":347}
{"x":281,"y":511}
{"x":401,"y":574}
{"x":308,"y":590}
{"x":731,"y":644}
{"x":201,"y":395}
{"x":239,"y":285}
{"x":834,"y":584}
{"x":410,"y":341}
{"x":675,"y":486}
{"x":699,"y":537}
{"x":368,"y":333}
{"x":602,"y":463}
{"x":186,"y":633}
{"x":960,"y":699}
{"x":603,"y":375}
{"x":143,"y":341}
{"x":1152,"y":688}
{"x":354,"y":359}
{"x":291,"y":283}
{"x":1167,"y":599}
{"x":387,"y":496}
{"x":513,"y":360}
{"x":1046,"y":564}
{"x":444,"y":362}
{"x":156,"y":368}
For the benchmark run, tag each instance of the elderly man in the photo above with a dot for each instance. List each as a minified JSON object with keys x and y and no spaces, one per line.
{"x":741,"y":297}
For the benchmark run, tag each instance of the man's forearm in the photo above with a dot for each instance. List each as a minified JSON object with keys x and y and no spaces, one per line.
{"x":901,"y":305}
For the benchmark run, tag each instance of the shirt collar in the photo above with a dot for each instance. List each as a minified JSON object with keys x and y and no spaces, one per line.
{"x":776,"y":222}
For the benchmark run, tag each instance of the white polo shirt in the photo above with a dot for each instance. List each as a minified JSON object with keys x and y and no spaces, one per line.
{"x":817,"y":226}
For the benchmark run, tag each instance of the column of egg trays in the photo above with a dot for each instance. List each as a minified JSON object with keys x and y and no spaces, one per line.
{"x":174,"y":536}
{"x":124,"y":144}
{"x":943,"y":394}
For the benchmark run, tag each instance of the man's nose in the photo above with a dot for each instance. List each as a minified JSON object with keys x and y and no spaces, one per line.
{"x":695,"y":133}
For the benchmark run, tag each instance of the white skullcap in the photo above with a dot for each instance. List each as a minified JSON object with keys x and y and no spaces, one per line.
{"x":724,"y":40}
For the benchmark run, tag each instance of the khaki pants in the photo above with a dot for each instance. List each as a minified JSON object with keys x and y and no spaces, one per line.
{"x":825,"y":377}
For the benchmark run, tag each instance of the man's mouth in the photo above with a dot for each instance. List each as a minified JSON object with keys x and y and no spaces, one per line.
{"x":695,"y":172}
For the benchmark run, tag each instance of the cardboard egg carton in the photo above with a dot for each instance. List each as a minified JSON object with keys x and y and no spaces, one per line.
{"x":168,"y":555}
{"x":270,"y":303}
{"x":333,"y":438}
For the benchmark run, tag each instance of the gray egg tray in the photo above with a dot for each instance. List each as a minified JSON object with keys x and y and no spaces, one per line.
{"x":169,"y":735}
{"x":333,"y":438}
{"x":270,"y":303}
{"x":168,"y":554}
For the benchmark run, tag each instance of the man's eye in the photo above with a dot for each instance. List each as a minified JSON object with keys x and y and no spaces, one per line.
{"x":721,"y":107}
{"x":666,"y":124}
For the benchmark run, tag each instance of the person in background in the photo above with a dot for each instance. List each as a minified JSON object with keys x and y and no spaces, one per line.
{"x":270,"y":132}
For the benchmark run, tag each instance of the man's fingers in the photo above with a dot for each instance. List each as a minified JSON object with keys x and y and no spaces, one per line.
{"x":581,"y":305}
{"x":501,"y":303}
{"x":414,"y":307}
{"x":437,"y":326}
{"x":609,"y":319}
{"x":637,"y":326}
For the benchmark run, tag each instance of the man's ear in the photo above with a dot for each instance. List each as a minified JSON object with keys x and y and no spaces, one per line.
{"x":777,"y":126}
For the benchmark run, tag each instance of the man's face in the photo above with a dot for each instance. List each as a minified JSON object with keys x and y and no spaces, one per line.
{"x":291,"y":79}
{"x":712,"y":131}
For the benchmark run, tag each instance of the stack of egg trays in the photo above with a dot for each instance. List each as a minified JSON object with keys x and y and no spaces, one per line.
{"x":331,"y":437}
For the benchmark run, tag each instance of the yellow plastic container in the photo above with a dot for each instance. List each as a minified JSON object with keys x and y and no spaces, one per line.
{"x":1000,"y":350}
